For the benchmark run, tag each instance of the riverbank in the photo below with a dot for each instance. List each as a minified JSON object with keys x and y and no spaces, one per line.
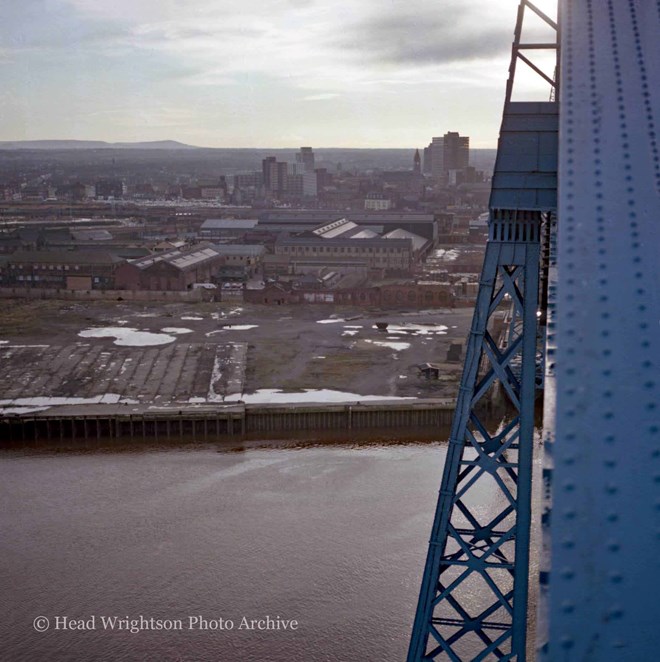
{"x":106,"y":425}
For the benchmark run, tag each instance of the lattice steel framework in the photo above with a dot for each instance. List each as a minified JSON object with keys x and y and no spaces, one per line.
{"x":474,"y":594}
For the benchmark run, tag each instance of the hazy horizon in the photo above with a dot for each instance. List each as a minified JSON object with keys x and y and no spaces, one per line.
{"x":183,"y":145}
{"x":268,"y":72}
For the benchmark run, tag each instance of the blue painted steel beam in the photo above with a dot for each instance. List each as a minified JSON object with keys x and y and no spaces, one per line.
{"x":605,"y":436}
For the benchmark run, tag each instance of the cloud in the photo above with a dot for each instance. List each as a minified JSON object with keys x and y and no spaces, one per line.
{"x":47,"y":27}
{"x":428,"y":33}
{"x":321,"y":97}
{"x":247,"y":66}
{"x":329,"y":45}
{"x":332,"y":46}
{"x":404,"y":40}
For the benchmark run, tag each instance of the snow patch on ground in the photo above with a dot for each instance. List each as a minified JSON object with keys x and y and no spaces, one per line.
{"x":49,"y":401}
{"x":215,"y":376}
{"x":397,"y":346}
{"x":192,"y":318}
{"x":416,"y":329}
{"x":332,"y":320}
{"x":350,"y":332}
{"x":127,"y":337}
{"x":22,"y":346}
{"x":277,"y":396}
{"x":447,"y":255}
{"x":232,"y":327}
{"x":176,"y":330}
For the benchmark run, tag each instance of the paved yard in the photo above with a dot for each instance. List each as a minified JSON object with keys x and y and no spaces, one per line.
{"x":201,"y":352}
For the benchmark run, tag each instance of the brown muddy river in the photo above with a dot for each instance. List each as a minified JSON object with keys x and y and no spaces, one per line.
{"x":331,"y":537}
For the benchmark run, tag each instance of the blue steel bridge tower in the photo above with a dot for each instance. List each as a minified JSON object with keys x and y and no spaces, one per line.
{"x":573,"y":263}
{"x":473,"y":601}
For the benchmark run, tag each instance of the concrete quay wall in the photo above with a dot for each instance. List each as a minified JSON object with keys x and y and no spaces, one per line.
{"x":396,"y":420}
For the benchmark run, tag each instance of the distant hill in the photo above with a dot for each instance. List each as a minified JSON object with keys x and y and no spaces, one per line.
{"x":92,"y":144}
{"x":96,"y":158}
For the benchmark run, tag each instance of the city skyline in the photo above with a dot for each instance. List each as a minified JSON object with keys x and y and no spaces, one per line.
{"x":273,"y":74}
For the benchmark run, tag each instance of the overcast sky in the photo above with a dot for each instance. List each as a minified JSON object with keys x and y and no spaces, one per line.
{"x":255,"y":73}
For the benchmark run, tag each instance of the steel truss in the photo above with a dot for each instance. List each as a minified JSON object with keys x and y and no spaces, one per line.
{"x":473,"y":601}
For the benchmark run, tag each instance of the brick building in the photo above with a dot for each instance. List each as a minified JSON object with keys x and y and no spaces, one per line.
{"x":389,"y":255}
{"x":225,"y":229}
{"x":404,"y":295}
{"x":171,"y":271}
{"x":62,"y":270}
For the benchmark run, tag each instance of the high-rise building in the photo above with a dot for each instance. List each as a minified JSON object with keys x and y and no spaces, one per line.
{"x":426,"y":164}
{"x":456,"y":151}
{"x":275,"y":174}
{"x":269,"y":169}
{"x":282,"y":177}
{"x":306,"y":157}
{"x":437,"y":154}
{"x":451,"y":152}
{"x":310,"y":184}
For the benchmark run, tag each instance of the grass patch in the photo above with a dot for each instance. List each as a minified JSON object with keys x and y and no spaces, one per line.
{"x":19,"y":318}
{"x":338,"y":370}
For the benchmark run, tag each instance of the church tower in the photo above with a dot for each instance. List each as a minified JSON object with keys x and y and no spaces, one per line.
{"x":417,"y":164}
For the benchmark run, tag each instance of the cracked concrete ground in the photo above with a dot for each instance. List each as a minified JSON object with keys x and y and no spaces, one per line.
{"x":251,"y":347}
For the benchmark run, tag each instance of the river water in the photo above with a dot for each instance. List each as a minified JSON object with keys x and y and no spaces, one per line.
{"x":333,"y":537}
